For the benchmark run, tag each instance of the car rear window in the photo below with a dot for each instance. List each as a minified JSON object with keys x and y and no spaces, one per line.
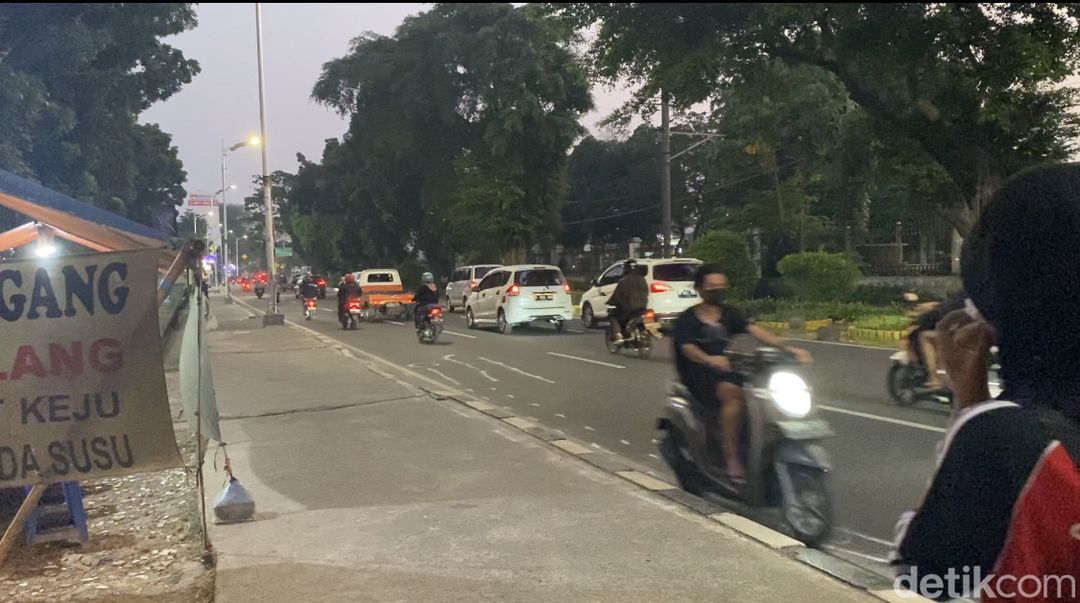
{"x":674,"y":272}
{"x":539,"y":278}
{"x":381,"y":277}
{"x":481,"y":271}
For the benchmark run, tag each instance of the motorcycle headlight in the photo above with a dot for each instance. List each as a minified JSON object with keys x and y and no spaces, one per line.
{"x":790,"y":393}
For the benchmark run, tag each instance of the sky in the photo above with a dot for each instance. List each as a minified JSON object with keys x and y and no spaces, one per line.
{"x":222,"y":101}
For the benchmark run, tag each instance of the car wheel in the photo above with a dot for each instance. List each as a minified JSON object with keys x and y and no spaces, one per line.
{"x":504,"y":327}
{"x":449,"y":305}
{"x":587,"y":317}
{"x":469,"y":320}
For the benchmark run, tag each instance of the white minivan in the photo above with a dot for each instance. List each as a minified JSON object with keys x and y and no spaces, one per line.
{"x":516,"y":295}
{"x":463,"y":282}
{"x":671,"y":289}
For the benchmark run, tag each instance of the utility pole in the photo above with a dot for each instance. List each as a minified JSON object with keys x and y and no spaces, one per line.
{"x":665,"y":174}
{"x":272,"y":317}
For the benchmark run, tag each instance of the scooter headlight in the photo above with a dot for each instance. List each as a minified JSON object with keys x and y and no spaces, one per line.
{"x":790,"y":393}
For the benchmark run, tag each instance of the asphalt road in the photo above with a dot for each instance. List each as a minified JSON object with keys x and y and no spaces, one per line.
{"x":883,"y":455}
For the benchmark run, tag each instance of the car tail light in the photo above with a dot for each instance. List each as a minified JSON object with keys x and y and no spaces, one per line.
{"x":650,"y":315}
{"x":566,"y":287}
{"x":472,"y":285}
{"x":659,"y":287}
{"x":436,"y":311}
{"x":513,"y":291}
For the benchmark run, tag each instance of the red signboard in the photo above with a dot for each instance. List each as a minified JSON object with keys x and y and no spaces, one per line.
{"x":201,"y":201}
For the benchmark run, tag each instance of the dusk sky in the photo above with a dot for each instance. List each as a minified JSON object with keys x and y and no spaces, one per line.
{"x":223,"y":102}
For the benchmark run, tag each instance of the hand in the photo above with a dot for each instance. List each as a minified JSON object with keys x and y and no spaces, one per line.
{"x":801,"y":355}
{"x":965,"y":351}
{"x":720,"y":363}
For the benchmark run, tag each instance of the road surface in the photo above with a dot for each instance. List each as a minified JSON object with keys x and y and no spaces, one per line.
{"x":883,"y":455}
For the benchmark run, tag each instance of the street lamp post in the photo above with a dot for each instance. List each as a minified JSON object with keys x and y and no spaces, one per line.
{"x":272,"y":317}
{"x":253,"y":141}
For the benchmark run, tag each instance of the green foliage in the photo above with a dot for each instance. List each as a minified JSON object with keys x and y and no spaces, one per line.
{"x":819,"y":276}
{"x":459,"y":129}
{"x":730,"y":251}
{"x":784,"y":310}
{"x":73,"y":80}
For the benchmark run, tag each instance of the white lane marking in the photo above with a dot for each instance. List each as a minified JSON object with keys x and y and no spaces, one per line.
{"x":575,"y":330}
{"x":587,"y":428}
{"x":864,"y":415}
{"x":843,"y":345}
{"x":444,"y":376}
{"x":624,"y":442}
{"x":459,"y":334}
{"x":394,"y":322}
{"x":618,"y":366}
{"x":532,"y":403}
{"x":326,"y":309}
{"x":516,"y":370}
{"x":651,"y":455}
{"x":450,"y":358}
{"x":560,"y":415}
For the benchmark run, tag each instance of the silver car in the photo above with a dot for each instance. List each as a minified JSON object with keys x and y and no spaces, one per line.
{"x":464,"y":281}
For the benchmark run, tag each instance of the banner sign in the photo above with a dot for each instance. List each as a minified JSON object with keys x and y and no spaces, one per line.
{"x":201,"y":201}
{"x":82,"y":384}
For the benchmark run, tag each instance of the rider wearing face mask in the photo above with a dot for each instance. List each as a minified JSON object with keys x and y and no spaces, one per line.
{"x":702,"y":334}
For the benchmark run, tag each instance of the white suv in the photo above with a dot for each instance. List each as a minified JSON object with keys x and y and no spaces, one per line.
{"x":463,"y":282}
{"x":515,"y":295}
{"x":671,"y":289}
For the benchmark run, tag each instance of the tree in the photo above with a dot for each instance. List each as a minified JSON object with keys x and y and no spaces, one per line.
{"x":729,"y":250}
{"x":975,"y":87}
{"x":73,"y":80}
{"x":463,"y":117}
{"x":191,"y":225}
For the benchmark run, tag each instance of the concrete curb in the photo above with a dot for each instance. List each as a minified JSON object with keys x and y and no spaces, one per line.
{"x":843,"y":571}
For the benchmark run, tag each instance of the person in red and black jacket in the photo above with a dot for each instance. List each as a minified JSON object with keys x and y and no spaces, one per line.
{"x":1003,"y":507}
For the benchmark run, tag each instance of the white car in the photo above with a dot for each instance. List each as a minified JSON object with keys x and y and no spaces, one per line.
{"x":671,"y":289}
{"x":463,"y":282}
{"x":516,"y":295}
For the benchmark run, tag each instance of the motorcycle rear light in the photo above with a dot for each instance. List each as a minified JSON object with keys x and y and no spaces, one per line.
{"x":650,"y":316}
{"x":354,"y":305}
{"x":309,"y":303}
{"x":435,"y":312}
{"x":513,"y":291}
{"x":659,"y":288}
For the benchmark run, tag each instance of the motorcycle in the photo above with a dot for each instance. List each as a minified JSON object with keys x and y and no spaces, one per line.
{"x":260,"y":290}
{"x":431,"y":324}
{"x":641,"y":338}
{"x":350,"y":315}
{"x":786,"y":465}
{"x":906,"y":380}
{"x":309,"y":308}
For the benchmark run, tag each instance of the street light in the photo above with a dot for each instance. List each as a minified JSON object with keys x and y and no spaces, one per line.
{"x":272,"y":317}
{"x":252,"y":141}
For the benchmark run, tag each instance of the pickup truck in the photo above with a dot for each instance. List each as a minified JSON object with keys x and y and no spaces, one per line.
{"x":382,"y":294}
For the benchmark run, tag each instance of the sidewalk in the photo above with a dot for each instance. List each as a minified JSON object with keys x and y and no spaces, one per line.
{"x":368,"y":489}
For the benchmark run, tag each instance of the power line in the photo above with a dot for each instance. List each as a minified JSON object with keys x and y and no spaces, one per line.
{"x":613,"y":216}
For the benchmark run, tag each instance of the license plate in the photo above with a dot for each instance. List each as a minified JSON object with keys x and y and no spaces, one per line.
{"x":687,"y":293}
{"x":544,"y":297}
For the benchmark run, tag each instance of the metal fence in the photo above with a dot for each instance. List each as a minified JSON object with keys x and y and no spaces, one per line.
{"x":925,"y":247}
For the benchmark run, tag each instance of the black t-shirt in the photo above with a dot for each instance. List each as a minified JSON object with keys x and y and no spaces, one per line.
{"x":711,"y":338}
{"x":425,"y":297}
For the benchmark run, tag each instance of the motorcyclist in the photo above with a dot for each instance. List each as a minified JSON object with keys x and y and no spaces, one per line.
{"x":701,"y":336}
{"x":308,"y":288}
{"x":923,"y":337}
{"x":348,"y":289}
{"x":630,"y":298}
{"x":425,"y":297}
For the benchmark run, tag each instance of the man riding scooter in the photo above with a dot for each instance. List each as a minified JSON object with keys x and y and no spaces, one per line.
{"x":426,"y":296}
{"x":348,"y":290}
{"x":702,"y":334}
{"x":630,"y":299}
